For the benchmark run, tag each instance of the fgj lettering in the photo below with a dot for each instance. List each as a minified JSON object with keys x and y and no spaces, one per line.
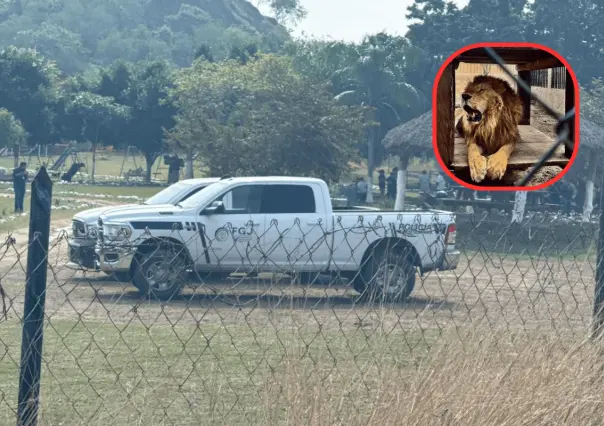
{"x":244,"y":230}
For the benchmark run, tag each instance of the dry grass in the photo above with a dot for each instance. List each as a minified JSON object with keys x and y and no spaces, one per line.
{"x":488,"y":379}
{"x":98,"y":373}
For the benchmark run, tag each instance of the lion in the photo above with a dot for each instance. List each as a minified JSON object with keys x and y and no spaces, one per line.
{"x":490,"y":125}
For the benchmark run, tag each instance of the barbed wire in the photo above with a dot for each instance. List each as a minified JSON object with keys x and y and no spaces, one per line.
{"x":563,"y":124}
{"x":280,"y":340}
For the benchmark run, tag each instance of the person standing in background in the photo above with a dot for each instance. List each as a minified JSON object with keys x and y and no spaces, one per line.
{"x":382,"y":182}
{"x":361,"y":190}
{"x":19,"y":185}
{"x":441,"y":184}
{"x":568,"y":192}
{"x":424,"y":182}
{"x":391,"y":185}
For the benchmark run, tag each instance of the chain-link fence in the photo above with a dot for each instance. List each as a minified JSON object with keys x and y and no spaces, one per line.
{"x":563,"y":126}
{"x":499,"y":339}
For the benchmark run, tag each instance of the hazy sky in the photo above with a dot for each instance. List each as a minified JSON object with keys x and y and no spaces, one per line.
{"x":350,"y":20}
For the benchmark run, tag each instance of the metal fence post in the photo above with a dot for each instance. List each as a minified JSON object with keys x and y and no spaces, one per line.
{"x":35,"y":297}
{"x":598,"y":320}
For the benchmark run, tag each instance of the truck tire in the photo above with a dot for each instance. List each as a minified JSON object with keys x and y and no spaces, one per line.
{"x":388,"y":275}
{"x":161,"y":274}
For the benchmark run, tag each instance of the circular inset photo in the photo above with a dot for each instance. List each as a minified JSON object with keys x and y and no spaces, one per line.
{"x":504,"y":116}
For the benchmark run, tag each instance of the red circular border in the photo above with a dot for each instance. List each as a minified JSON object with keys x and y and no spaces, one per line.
{"x":435,"y":116}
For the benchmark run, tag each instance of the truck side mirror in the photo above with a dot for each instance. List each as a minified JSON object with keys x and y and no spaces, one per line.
{"x":217,"y":207}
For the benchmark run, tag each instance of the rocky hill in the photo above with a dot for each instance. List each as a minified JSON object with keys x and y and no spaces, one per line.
{"x":83,"y":33}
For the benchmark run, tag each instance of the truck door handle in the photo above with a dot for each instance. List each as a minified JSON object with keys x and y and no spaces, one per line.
{"x":313,"y":222}
{"x":256,"y":224}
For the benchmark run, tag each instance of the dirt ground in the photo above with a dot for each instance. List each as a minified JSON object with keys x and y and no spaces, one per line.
{"x":486,"y":289}
{"x":218,"y":354}
{"x":542,"y":121}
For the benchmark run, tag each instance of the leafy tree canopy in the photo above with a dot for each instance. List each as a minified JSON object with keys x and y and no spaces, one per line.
{"x":571,"y":27}
{"x":262,"y":117}
{"x":12,"y":131}
{"x":28,"y":84}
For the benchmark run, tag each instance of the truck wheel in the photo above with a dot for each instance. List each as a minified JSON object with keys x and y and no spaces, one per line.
{"x":161,"y":273}
{"x":389,"y":276}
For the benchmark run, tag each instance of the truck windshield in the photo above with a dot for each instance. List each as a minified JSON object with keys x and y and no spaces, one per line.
{"x":169,"y":195}
{"x":210,"y":193}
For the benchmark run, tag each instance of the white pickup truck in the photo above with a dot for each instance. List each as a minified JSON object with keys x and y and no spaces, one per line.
{"x":84,"y":224}
{"x":274,"y":224}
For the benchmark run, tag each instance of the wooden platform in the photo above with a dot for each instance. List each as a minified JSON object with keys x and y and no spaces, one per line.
{"x":534,"y":144}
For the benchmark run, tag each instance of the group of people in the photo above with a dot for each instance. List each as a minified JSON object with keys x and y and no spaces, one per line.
{"x":563,"y":192}
{"x":387,"y":185}
{"x":425,"y":183}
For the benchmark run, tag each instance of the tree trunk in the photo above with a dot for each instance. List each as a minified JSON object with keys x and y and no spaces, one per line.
{"x":588,"y":205}
{"x":93,"y":171}
{"x":189,"y":165}
{"x":519,"y":206}
{"x":370,"y":166}
{"x":370,"y":119}
{"x":16,"y":148}
{"x":401,"y":184}
{"x":149,"y":161}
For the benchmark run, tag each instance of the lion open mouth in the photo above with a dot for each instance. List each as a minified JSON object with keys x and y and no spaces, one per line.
{"x":473,"y":114}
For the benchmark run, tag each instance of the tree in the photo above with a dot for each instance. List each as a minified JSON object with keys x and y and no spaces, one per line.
{"x":571,"y":27}
{"x":574,"y":29}
{"x":141,"y":87}
{"x":286,"y":11}
{"x":263,"y":118}
{"x":28,"y":88}
{"x":97,"y":119}
{"x":12,"y":133}
{"x":152,"y":113}
{"x":376,"y":80}
{"x":244,"y":54}
{"x":319,"y":60}
{"x":204,"y":51}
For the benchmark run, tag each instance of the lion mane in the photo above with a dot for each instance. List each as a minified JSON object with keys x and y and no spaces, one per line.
{"x":501,"y":110}
{"x":491,"y":112}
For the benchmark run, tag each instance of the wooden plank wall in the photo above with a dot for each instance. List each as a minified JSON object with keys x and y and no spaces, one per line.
{"x":446,"y":116}
{"x":466,"y":72}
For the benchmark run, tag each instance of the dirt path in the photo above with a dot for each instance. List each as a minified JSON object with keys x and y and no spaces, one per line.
{"x":496,"y":291}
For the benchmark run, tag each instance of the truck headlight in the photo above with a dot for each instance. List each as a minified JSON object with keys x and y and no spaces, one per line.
{"x":117,"y":232}
{"x":91,"y":230}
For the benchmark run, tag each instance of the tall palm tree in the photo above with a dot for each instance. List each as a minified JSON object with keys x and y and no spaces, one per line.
{"x":375,"y":79}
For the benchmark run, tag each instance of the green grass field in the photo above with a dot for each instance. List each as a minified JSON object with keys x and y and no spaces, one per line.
{"x":70,"y":199}
{"x":107,"y":164}
{"x":97,"y":373}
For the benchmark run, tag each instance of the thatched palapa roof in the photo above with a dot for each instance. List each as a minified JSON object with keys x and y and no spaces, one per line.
{"x":591,"y":136}
{"x":413,"y":138}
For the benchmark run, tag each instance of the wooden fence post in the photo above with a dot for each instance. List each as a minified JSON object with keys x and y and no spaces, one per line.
{"x":35,"y":298}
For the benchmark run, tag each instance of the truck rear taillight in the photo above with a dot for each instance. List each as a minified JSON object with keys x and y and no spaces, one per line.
{"x":451,"y":234}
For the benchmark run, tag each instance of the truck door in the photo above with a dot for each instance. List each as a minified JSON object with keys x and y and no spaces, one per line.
{"x":231,"y":236}
{"x":296,"y":228}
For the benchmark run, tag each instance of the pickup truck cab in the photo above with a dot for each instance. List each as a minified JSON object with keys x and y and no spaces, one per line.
{"x":274,"y":224}
{"x":84,"y":224}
